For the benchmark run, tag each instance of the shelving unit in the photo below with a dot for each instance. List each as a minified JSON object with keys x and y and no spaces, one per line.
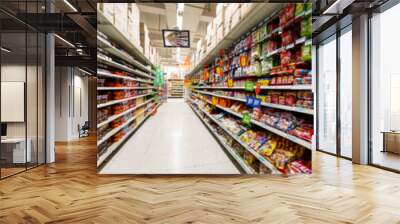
{"x":175,"y":88}
{"x":246,"y":168}
{"x":283,"y":91}
{"x":126,"y":94}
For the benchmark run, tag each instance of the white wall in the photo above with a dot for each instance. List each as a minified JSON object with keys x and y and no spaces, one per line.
{"x":71,"y":102}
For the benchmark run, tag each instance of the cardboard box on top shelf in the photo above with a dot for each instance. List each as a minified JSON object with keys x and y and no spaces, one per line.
{"x":245,"y":8}
{"x":133,"y":25}
{"x":144,"y":39}
{"x":236,"y":17}
{"x":220,"y":33}
{"x":108,"y":11}
{"x":220,"y":14}
{"x":121,"y":17}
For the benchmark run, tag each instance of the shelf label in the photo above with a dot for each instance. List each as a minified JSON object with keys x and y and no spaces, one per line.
{"x":249,"y":86}
{"x":246,"y":119}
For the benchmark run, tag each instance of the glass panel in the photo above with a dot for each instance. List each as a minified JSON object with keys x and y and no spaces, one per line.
{"x":41,"y":99}
{"x":346,"y":94}
{"x":327,"y":96}
{"x":385,"y":84}
{"x":31,"y":98}
{"x":13,"y":87}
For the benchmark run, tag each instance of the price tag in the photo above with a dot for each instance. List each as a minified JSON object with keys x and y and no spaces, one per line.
{"x":214,"y":100}
{"x":230,"y":83}
{"x":246,"y":118}
{"x":249,"y":86}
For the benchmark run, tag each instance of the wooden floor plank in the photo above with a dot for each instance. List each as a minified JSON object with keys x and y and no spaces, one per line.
{"x":70,"y":191}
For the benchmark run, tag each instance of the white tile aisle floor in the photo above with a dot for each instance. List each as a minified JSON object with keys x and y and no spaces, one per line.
{"x":174,"y":141}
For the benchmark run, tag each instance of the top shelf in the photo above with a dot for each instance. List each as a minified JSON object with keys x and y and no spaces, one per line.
{"x":257,"y":13}
{"x":105,"y":26}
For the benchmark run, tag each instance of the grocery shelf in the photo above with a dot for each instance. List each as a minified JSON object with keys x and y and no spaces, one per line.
{"x":283,"y":87}
{"x":288,"y":87}
{"x":104,"y":44}
{"x":256,"y":14}
{"x":238,"y":159}
{"x":123,"y":67}
{"x":289,"y":108}
{"x":124,"y":88}
{"x":115,"y":145}
{"x":109,"y":75}
{"x":271,"y":105}
{"x":222,"y":96}
{"x":262,"y":160}
{"x":117,"y":129}
{"x":122,"y":100}
{"x":276,"y":131}
{"x":106,"y":27}
{"x":122,"y":114}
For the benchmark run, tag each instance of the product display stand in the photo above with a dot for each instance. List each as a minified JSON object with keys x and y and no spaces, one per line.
{"x":126,"y":96}
{"x":256,"y":97}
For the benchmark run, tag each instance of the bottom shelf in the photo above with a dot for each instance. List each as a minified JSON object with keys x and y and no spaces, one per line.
{"x":247,"y":169}
{"x":102,"y":158}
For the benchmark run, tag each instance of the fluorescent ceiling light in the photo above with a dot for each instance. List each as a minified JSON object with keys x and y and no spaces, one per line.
{"x":181,"y":7}
{"x":179,"y":21}
{"x":179,"y":15}
{"x":64,"y":40}
{"x":70,"y":5}
{"x":5,"y":50}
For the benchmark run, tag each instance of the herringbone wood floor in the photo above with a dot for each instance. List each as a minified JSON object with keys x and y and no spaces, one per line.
{"x":70,"y":191}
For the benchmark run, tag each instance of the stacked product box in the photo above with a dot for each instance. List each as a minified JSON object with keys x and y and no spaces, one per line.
{"x":219,"y":21}
{"x":121,"y":17}
{"x":145,"y":40}
{"x":133,"y":24}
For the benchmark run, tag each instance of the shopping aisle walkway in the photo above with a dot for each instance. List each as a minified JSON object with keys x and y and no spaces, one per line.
{"x":174,"y":141}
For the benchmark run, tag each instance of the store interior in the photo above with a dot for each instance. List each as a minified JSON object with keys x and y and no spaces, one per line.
{"x":267,"y":85}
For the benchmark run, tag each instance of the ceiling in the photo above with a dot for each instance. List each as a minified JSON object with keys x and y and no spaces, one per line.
{"x":159,"y":16}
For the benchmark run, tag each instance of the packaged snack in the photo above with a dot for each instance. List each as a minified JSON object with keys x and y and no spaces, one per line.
{"x":306,"y":27}
{"x":248,"y":158}
{"x":256,"y":115}
{"x":269,"y":147}
{"x":286,"y":122}
{"x":306,"y":52}
{"x":299,"y":9}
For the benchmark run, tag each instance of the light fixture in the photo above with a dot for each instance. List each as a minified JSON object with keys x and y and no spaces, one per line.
{"x":70,"y":5}
{"x":64,"y":40}
{"x":179,"y":15}
{"x":88,"y":73}
{"x":179,"y":21}
{"x":180,"y":7}
{"x":5,"y":50}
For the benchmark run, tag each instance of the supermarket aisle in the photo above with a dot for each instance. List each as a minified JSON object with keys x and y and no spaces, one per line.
{"x":172,"y":142}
